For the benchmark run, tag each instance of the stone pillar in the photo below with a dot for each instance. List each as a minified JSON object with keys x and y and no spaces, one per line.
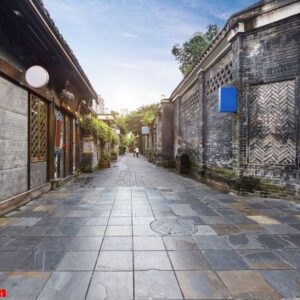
{"x":167,"y":130}
{"x":165,"y":134}
{"x":202,"y":123}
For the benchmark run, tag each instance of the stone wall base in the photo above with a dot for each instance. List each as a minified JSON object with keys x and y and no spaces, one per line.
{"x":168,"y":164}
{"x":21,"y":199}
{"x":225,"y":180}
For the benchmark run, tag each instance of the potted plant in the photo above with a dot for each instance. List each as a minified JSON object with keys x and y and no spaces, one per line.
{"x":114,"y":155}
{"x":105,"y":160}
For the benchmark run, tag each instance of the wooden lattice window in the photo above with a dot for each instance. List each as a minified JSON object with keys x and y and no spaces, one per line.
{"x":38,"y":129}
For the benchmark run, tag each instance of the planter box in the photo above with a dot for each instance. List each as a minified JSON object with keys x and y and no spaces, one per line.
{"x":104,"y":164}
{"x":114,"y":157}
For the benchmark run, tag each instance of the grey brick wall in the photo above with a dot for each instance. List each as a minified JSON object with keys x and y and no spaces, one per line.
{"x":13,"y":139}
{"x":38,"y":173}
{"x":262,"y":139}
{"x":270,"y":83}
{"x":189,"y":121}
{"x":218,"y":125}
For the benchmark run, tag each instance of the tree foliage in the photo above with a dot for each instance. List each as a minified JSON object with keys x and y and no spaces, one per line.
{"x":190,"y":52}
{"x":143,"y":116}
{"x":120,"y":120}
{"x":129,"y":140}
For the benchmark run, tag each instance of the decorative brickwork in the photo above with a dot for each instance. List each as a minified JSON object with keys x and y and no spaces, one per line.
{"x":261,"y":140}
{"x":272,"y":123}
{"x":189,"y":122}
{"x":221,"y":78}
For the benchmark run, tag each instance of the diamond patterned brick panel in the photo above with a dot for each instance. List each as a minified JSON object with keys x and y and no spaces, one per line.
{"x":272,"y":123}
{"x":222,"y":77}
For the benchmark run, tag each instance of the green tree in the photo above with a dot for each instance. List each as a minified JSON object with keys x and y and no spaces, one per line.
{"x":129,"y":139}
{"x":190,"y":52}
{"x":143,"y":116}
{"x":120,"y":120}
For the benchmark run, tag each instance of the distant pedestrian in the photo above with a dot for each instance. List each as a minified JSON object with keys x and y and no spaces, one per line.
{"x":136,"y":151}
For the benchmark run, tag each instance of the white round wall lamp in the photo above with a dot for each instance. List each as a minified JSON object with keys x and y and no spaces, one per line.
{"x":37,"y":77}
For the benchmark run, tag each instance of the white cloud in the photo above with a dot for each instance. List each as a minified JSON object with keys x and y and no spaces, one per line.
{"x":129,"y":35}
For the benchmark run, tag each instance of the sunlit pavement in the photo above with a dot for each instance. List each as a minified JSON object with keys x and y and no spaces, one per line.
{"x":92,"y":239}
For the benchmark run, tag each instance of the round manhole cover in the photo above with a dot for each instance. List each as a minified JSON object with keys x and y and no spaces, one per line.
{"x":173,"y":227}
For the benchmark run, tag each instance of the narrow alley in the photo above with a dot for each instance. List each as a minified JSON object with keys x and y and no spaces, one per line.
{"x":137,"y":231}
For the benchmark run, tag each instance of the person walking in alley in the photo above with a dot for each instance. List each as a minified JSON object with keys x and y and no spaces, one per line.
{"x":136,"y":151}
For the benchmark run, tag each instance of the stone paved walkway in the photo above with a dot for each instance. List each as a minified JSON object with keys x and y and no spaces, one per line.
{"x":91,"y":239}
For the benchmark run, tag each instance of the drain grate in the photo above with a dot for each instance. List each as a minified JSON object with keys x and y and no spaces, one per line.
{"x":175,"y":226}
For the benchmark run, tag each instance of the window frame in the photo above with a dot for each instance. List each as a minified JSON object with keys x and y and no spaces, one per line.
{"x":38,"y":158}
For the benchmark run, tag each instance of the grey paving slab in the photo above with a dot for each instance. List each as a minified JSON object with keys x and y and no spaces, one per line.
{"x":24,"y":285}
{"x":211,"y":242}
{"x":118,"y":231}
{"x":291,"y":256}
{"x":142,"y":220}
{"x":23,"y":243}
{"x":202,"y":285}
{"x":115,"y":261}
{"x":117,"y":243}
{"x":121,"y":213}
{"x":151,"y":260}
{"x":4,"y":241}
{"x":111,"y":286}
{"x":274,"y":242}
{"x":62,"y":230}
{"x":41,"y":261}
{"x":66,"y":285}
{"x":99,"y":214}
{"x":226,"y":229}
{"x":292,"y":239}
{"x":96,"y":221}
{"x":214,"y":220}
{"x":244,"y":241}
{"x":263,"y":259}
{"x":281,"y":229}
{"x":11,"y":260}
{"x":188,"y":260}
{"x":142,"y":213}
{"x":91,"y":231}
{"x":225,"y":260}
{"x":78,"y":261}
{"x":247,"y":285}
{"x":120,"y":221}
{"x":25,"y":221}
{"x":179,"y":243}
{"x":285,"y":282}
{"x":156,"y":285}
{"x":85,"y":244}
{"x":143,"y":230}
{"x":111,"y":211}
{"x":205,"y":230}
{"x":148,"y":243}
{"x":54,"y":244}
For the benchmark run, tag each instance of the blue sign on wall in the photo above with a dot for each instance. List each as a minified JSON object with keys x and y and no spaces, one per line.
{"x":227,"y":99}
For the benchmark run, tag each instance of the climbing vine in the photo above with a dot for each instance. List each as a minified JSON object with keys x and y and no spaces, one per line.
{"x":100,"y":129}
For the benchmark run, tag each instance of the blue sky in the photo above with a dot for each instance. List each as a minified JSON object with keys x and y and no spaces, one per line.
{"x":124,"y":46}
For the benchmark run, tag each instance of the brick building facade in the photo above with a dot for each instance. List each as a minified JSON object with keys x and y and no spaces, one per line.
{"x":258,"y":52}
{"x":39,"y":132}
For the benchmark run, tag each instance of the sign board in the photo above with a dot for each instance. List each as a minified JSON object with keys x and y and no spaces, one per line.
{"x":145,"y":130}
{"x":88,"y":144}
{"x":118,"y":131}
{"x":227,"y":99}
